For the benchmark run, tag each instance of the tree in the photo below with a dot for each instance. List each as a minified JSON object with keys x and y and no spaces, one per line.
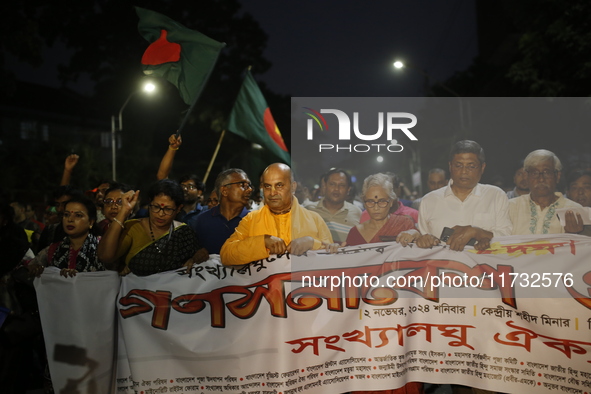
{"x":106,"y":46}
{"x":554,"y":48}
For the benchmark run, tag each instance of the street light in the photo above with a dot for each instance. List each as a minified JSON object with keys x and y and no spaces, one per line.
{"x":149,"y":88}
{"x":398,"y":64}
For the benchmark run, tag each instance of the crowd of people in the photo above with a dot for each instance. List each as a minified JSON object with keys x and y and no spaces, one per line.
{"x":177,"y":227}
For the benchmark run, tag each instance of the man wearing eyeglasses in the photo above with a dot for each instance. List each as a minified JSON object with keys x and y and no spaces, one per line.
{"x":280,"y":226}
{"x":215,"y":226}
{"x":535,"y":213}
{"x":339,"y":214}
{"x":471,"y":209}
{"x":193,"y":190}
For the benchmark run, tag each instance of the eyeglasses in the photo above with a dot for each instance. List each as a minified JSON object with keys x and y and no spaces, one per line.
{"x":243,"y":184}
{"x":469,"y":167}
{"x":214,"y":201}
{"x":382,"y":203}
{"x":110,"y":201}
{"x":545,"y":173}
{"x":189,"y":187}
{"x":156,"y":209}
{"x":76,"y":215}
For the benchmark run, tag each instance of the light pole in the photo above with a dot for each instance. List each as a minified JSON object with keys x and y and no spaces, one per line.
{"x":147,"y":88}
{"x":398,"y":64}
{"x":415,"y":166}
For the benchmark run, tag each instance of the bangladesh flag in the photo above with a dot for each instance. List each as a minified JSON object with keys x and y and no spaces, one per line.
{"x":182,"y":56}
{"x":251,"y":118}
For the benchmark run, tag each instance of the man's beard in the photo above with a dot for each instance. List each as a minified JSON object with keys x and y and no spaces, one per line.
{"x":193,"y":201}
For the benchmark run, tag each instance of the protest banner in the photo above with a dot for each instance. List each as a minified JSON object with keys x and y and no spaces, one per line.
{"x":78,"y":318}
{"x":514,"y":318}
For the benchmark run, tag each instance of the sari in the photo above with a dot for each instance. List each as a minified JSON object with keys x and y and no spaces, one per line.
{"x":394,"y":226}
{"x":146,"y":257}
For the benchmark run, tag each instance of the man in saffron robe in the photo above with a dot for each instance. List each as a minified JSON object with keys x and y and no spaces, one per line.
{"x":280,"y":226}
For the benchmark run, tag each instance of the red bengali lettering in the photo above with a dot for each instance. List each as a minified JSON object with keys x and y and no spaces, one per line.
{"x":580,"y":298}
{"x":143,"y":301}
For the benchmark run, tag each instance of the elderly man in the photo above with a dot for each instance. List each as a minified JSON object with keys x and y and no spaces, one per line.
{"x":215,"y":226}
{"x":339,"y":215}
{"x":535,"y":213}
{"x":280,"y":226}
{"x":472,"y":210}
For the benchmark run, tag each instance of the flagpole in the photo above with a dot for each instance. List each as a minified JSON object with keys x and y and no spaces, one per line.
{"x":215,"y":153}
{"x":186,"y":118}
{"x":217,"y":148}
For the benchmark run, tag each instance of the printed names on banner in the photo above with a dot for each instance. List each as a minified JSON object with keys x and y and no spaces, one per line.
{"x":261,"y":329}
{"x":524,"y":373}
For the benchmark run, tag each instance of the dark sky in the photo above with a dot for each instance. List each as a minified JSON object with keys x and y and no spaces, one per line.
{"x":346,"y":48}
{"x":342,"y":48}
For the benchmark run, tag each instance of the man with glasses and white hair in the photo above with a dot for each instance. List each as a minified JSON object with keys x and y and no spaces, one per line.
{"x":472,"y":210}
{"x":535,"y":213}
{"x":214,"y":227}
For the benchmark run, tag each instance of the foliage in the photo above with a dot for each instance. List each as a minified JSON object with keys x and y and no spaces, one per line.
{"x":106,"y":46}
{"x":554,"y":48}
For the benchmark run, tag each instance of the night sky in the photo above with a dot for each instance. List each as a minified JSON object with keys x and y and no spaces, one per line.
{"x":346,"y":48}
{"x":341,"y":48}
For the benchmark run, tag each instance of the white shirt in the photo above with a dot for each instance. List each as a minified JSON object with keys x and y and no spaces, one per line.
{"x":541,"y":221}
{"x":486,"y":207}
{"x":339,"y":223}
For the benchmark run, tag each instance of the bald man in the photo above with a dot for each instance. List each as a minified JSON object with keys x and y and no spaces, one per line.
{"x":280,"y":226}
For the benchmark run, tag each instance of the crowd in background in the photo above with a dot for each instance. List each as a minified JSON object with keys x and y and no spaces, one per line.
{"x":176,"y":224}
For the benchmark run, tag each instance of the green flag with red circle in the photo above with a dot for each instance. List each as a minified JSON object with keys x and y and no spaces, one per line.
{"x":251,"y":119}
{"x":182,"y":56}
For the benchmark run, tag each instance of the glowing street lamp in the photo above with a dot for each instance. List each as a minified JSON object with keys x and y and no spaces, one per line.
{"x":149,"y":88}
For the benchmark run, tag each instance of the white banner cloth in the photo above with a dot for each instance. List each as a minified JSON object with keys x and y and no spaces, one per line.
{"x":516,"y":319}
{"x":78,"y":319}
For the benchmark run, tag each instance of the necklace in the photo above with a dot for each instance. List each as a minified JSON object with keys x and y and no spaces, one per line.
{"x":154,"y":238}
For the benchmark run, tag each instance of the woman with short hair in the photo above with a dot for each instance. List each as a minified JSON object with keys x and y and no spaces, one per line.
{"x":378,"y":197}
{"x":155,"y":243}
